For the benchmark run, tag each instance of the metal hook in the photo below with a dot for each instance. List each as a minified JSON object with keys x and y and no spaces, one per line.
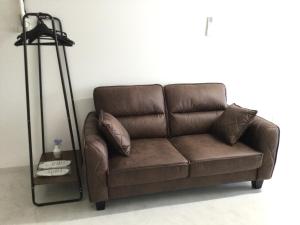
{"x":208,"y":20}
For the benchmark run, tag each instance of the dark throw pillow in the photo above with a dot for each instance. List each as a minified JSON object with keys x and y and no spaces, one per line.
{"x":116,"y":135}
{"x":231,"y":125}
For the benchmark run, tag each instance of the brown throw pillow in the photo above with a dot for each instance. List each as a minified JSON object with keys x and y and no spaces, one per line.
{"x":231,"y":125}
{"x":115,"y":133}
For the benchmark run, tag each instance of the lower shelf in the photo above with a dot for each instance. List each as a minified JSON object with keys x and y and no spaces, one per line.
{"x":72,"y":177}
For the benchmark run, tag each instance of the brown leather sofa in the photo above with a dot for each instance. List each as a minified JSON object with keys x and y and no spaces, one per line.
{"x":171,"y":144}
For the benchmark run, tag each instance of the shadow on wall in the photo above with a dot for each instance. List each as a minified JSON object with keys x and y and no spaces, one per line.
{"x":83,"y":107}
{"x":9,"y":11}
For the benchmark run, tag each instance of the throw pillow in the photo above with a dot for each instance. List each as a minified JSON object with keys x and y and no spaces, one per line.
{"x":231,"y":125}
{"x":115,"y":133}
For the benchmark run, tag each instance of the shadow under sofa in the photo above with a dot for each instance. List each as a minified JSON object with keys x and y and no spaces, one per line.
{"x":171,"y":147}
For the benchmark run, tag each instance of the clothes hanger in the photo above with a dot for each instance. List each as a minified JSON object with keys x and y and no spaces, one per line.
{"x":42,"y":31}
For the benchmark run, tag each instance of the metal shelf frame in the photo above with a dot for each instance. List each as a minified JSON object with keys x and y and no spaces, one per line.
{"x":53,"y":20}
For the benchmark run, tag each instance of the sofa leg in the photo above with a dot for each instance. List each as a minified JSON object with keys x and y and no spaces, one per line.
{"x":100,"y":205}
{"x":257,"y":184}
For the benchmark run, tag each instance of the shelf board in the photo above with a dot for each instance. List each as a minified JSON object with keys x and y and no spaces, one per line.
{"x":69,"y":178}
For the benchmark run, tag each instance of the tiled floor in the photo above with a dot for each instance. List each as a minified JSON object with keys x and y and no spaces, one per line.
{"x":225,"y":204}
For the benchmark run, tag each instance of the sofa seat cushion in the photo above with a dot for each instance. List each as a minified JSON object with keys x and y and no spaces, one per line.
{"x":151,"y":160}
{"x":209,"y":156}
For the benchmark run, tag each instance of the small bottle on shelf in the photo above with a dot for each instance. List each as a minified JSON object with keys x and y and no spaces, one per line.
{"x":57,"y":151}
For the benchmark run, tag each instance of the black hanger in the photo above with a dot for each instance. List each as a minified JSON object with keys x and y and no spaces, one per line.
{"x":43,"y":32}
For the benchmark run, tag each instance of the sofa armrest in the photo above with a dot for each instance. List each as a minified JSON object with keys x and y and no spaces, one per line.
{"x":263,"y":136}
{"x":95,"y":155}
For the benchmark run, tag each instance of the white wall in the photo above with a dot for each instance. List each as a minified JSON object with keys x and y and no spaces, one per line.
{"x":253,"y":47}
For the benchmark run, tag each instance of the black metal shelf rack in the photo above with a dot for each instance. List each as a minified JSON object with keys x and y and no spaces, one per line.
{"x":72,"y":154}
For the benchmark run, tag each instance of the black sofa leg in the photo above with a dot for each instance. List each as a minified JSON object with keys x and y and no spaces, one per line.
{"x":100,"y":205}
{"x":257,"y":184}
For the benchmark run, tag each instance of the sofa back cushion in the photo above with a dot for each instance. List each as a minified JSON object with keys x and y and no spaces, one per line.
{"x":193,"y":108}
{"x":139,"y":108}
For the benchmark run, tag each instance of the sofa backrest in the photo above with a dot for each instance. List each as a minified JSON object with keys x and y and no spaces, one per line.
{"x":140,"y":108}
{"x":192,"y":108}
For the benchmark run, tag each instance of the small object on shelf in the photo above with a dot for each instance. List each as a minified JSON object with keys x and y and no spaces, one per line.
{"x":70,"y":178}
{"x":53,"y":172}
{"x":57,"y":150}
{"x":54,"y":164}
